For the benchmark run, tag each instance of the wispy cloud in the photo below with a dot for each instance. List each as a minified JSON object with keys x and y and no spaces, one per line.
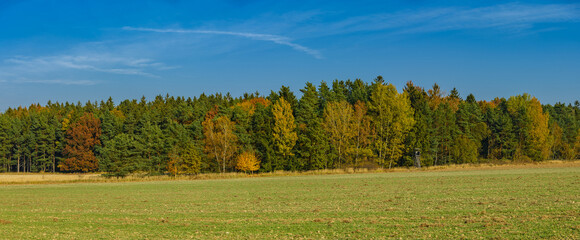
{"x":59,"y":69}
{"x":96,"y":63}
{"x":255,"y":36}
{"x":59,"y":82}
{"x":513,"y":17}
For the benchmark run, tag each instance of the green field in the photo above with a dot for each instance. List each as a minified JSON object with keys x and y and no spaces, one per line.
{"x":510,"y":203}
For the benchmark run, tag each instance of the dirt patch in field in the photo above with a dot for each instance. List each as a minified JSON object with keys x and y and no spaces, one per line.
{"x":40,"y":177}
{"x":4,"y":222}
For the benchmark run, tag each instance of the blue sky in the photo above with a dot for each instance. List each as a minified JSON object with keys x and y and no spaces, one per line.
{"x":90,"y":50}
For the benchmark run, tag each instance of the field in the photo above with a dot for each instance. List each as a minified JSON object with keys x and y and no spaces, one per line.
{"x":509,"y":203}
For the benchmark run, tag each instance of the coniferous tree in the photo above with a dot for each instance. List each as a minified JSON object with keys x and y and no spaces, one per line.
{"x":262,"y":125}
{"x":311,"y":146}
{"x":421,"y":135}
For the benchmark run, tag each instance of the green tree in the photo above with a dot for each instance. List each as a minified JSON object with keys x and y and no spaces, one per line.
{"x":125,"y":154}
{"x":392,"y":117}
{"x":421,"y":135}
{"x":184,"y":160}
{"x":6,"y":142}
{"x":262,"y":125}
{"x":311,"y":146}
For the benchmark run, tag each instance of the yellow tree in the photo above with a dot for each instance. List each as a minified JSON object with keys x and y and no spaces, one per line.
{"x":539,"y":132}
{"x":362,"y":130}
{"x":220,"y":139}
{"x":392,"y":121}
{"x":247,"y":161}
{"x":184,"y":161}
{"x":338,"y":117}
{"x":284,"y":131}
{"x":531,"y":127}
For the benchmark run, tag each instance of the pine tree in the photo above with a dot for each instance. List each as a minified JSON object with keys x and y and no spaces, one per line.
{"x":311,"y":146}
{"x":263,"y":142}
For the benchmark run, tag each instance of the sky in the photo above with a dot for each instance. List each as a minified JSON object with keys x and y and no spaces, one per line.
{"x":74,"y":51}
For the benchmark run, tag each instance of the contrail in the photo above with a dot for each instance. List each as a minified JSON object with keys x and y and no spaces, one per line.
{"x":256,"y":36}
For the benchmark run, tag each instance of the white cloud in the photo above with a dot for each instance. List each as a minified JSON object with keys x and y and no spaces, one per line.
{"x":95,"y":63}
{"x":58,"y":81}
{"x":256,"y":36}
{"x":513,"y":17}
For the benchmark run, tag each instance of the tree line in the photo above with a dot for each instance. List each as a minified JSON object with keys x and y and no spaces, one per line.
{"x":347,"y":124}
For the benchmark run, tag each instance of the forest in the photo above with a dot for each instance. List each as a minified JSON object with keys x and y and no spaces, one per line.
{"x":347,"y":124}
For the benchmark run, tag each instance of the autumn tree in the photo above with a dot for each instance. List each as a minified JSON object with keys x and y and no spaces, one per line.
{"x":392,"y":119}
{"x":220,"y":140}
{"x":284,"y":134}
{"x":532,"y":127}
{"x":81,"y":139}
{"x":362,"y":132}
{"x":247,"y":161}
{"x":184,"y":160}
{"x":338,"y":117}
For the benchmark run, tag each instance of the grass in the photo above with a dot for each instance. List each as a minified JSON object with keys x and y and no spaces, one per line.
{"x":51,"y":178}
{"x":509,"y":202}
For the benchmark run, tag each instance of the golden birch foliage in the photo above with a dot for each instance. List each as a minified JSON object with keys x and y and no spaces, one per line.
{"x":220,"y":139}
{"x":362,"y":130}
{"x":338,"y":117}
{"x":393,"y":119}
{"x":532,"y":125}
{"x":539,"y":132}
{"x":247,"y":161}
{"x":284,"y":135}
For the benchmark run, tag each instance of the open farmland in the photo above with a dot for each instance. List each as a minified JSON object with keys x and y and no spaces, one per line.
{"x":503,"y":203}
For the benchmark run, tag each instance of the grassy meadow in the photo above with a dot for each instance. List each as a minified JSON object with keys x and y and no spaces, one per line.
{"x":502,"y":203}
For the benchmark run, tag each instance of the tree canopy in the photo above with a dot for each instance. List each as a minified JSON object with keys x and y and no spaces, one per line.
{"x":341,"y":124}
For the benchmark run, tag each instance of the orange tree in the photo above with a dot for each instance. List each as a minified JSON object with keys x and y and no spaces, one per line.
{"x":81,"y":139}
{"x":247,"y":161}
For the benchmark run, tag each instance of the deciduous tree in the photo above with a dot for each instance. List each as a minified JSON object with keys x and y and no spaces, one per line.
{"x":220,"y":140}
{"x":284,"y":130}
{"x":247,"y":161}
{"x":392,"y":119}
{"x":338,"y":119}
{"x":81,"y":139}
